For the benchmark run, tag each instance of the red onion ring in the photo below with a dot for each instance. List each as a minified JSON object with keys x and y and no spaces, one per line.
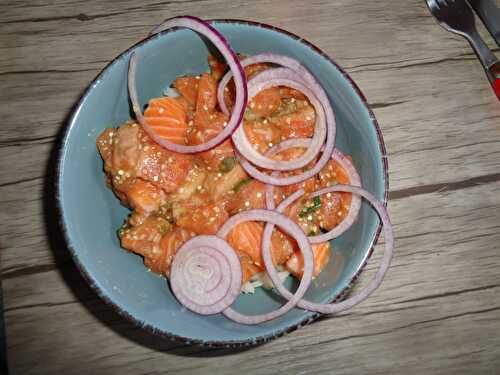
{"x":354,"y":180}
{"x":222,"y":45}
{"x":206,"y":275}
{"x":292,"y":229}
{"x":328,"y":147}
{"x":374,"y":283}
{"x":281,"y":77}
{"x":302,"y":73}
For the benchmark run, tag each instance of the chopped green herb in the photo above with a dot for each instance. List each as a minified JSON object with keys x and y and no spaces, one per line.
{"x":310,"y":208}
{"x":242,"y":183}
{"x":227,"y":164}
{"x":312,"y":233}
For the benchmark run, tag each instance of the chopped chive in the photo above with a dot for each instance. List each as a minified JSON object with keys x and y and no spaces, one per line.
{"x":227,"y":164}
{"x":310,"y":208}
{"x":242,"y":183}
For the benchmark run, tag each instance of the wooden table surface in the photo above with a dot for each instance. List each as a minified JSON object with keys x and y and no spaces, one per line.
{"x":438,"y":310}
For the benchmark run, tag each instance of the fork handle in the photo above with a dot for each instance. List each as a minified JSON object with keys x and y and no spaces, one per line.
{"x":488,"y":59}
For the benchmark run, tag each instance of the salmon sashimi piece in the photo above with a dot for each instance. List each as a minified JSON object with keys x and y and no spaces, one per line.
{"x":204,"y":219}
{"x":215,"y":157}
{"x":144,"y":238}
{"x":262,"y":135}
{"x":187,"y":87}
{"x":289,"y":93}
{"x":264,"y":104}
{"x":249,"y":196}
{"x":104,"y":145}
{"x":222,"y":184}
{"x":308,"y":185}
{"x":206,"y":100}
{"x":120,"y":150}
{"x":160,"y":261}
{"x":248,"y":267}
{"x":144,"y":197}
{"x":336,"y":204}
{"x":298,"y":124}
{"x":196,"y":177}
{"x":161,"y":167}
{"x":331,"y":210}
{"x":247,"y":238}
{"x":204,"y":131}
{"x":167,"y":117}
{"x":252,"y":70}
{"x":217,"y":68}
{"x":321,"y":252}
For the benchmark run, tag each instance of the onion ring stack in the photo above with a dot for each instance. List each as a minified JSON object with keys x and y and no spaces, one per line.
{"x":206,"y":273}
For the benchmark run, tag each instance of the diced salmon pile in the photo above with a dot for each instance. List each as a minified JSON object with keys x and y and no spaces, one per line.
{"x":174,"y":197}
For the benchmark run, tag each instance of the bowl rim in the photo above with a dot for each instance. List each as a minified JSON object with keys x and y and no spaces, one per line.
{"x":169,"y":335}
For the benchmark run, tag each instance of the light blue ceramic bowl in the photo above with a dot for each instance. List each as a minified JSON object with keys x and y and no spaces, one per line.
{"x":91,"y":214}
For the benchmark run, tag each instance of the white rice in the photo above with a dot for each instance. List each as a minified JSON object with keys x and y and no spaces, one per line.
{"x":262,"y":280}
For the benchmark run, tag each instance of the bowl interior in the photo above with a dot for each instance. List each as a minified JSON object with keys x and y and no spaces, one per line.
{"x":91,"y":213}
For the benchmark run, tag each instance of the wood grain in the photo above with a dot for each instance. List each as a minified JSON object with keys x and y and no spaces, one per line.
{"x":437,"y":312}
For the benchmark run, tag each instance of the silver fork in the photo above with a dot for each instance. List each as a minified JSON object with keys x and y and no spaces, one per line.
{"x":456,"y":16}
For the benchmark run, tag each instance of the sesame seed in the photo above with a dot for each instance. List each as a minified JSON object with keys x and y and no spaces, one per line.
{"x":328,"y":195}
{"x":120,"y":172}
{"x":161,"y":109}
{"x":205,"y":107}
{"x":146,"y":148}
{"x":212,"y":219}
{"x":224,"y":123}
{"x":339,"y":213}
{"x":197,"y":77}
{"x":247,"y":204}
{"x":270,"y":106}
{"x":111,"y":134}
{"x":252,"y":105}
{"x":226,"y":89}
{"x":155,"y":178}
{"x":292,"y":100}
{"x":270,"y":144}
{"x":219,"y":174}
{"x":265,"y":121}
{"x":310,"y":218}
{"x":308,"y":118}
{"x":199,"y":187}
{"x":259,"y":195}
{"x":170,"y":160}
{"x":190,"y":123}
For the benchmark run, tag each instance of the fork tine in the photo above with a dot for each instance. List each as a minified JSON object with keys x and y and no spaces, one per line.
{"x":432,"y":4}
